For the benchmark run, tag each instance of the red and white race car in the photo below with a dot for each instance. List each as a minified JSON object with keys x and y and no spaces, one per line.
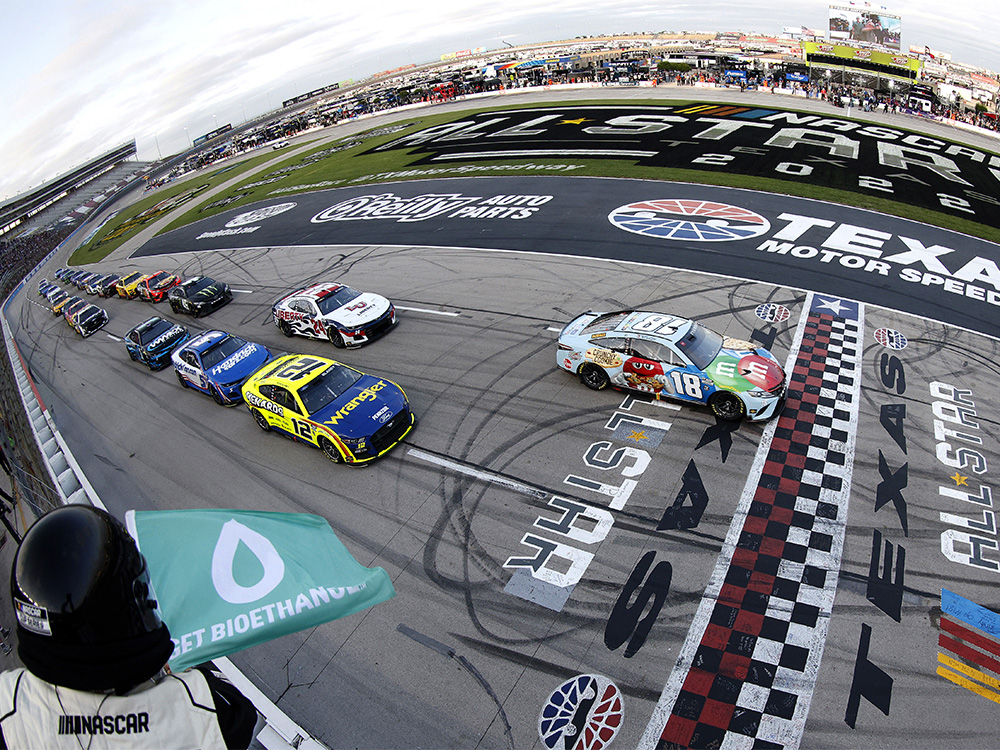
{"x":336,"y":312}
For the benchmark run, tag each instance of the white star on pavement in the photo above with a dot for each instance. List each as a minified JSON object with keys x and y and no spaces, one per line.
{"x":834,"y":305}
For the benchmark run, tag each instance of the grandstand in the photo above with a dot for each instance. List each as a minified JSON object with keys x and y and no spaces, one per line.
{"x":106,"y":173}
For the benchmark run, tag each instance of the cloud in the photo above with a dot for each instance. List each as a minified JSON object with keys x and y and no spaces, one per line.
{"x":101,"y":72}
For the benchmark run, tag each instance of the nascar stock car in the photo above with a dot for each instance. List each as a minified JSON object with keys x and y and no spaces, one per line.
{"x":108,"y":285}
{"x":128,"y":285}
{"x":152,"y":341}
{"x":336,"y":312}
{"x":352,"y":416}
{"x":667,"y":356}
{"x":155,"y":286}
{"x":62,"y":301}
{"x":71,"y":308}
{"x":81,"y":281}
{"x":199,"y":296}
{"x":93,"y":285}
{"x":55,"y":296}
{"x":217,"y":363}
{"x":89,"y":319}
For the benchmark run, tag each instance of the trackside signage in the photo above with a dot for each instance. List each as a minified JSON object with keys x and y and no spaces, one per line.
{"x":226,"y":580}
{"x":841,"y":249}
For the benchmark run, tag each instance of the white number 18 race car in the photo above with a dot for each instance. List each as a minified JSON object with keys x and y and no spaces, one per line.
{"x":667,"y":356}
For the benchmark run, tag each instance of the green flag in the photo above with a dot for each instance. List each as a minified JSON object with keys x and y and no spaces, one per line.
{"x":229,"y":579}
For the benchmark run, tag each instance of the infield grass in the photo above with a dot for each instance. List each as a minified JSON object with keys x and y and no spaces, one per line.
{"x":342,"y":162}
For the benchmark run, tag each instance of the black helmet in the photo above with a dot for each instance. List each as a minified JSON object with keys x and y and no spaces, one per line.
{"x":86,"y":617}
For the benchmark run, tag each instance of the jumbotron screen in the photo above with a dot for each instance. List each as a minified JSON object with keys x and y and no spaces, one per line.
{"x":865,"y":23}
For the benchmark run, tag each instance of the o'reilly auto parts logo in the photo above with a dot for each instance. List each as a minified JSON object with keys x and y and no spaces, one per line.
{"x":251,"y":217}
{"x":689,"y":220}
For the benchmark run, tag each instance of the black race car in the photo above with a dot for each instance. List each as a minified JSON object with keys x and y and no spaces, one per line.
{"x":199,"y":296}
{"x":108,"y":285}
{"x":152,"y":341}
{"x":89,"y":319}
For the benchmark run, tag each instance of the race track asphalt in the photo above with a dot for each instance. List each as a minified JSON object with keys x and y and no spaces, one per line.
{"x":823,"y":580}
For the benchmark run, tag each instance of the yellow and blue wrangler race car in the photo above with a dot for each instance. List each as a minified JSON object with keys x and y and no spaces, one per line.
{"x":351,"y":416}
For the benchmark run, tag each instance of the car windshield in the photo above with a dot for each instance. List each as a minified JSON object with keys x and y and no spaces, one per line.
{"x":156,"y":278}
{"x":156,"y":329}
{"x":327,"y":387}
{"x":89,"y":313}
{"x":221,"y":350}
{"x":194,"y":286}
{"x":337,"y":299}
{"x":606,"y":322}
{"x":701,"y":345}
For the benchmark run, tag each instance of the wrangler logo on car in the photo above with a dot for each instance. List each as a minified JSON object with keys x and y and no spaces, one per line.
{"x":368,"y":394}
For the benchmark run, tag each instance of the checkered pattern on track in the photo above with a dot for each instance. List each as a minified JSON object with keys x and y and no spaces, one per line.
{"x":746,"y":673}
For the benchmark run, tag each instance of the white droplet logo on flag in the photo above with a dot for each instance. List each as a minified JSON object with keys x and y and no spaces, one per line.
{"x":224,"y":557}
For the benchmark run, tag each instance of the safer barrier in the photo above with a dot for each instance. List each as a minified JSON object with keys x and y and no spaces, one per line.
{"x":48,"y":475}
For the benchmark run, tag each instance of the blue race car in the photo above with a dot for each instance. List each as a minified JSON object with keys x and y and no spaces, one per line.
{"x":217,"y":363}
{"x":152,"y":341}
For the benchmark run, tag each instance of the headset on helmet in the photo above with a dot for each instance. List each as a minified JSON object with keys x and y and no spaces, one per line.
{"x":86,"y":617}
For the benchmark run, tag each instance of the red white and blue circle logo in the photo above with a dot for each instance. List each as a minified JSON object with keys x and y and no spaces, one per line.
{"x":772,"y":312}
{"x":583,"y":713}
{"x":890,"y":338}
{"x":689,"y":220}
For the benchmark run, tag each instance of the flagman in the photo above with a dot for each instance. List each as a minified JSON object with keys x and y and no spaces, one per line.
{"x":95,"y":650}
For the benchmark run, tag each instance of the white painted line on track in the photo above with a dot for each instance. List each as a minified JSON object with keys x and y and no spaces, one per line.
{"x":242,"y":291}
{"x":112,"y":337}
{"x":485,"y":476}
{"x":429,"y":312}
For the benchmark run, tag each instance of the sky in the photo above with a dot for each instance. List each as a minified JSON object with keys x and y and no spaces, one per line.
{"x":83,"y":76}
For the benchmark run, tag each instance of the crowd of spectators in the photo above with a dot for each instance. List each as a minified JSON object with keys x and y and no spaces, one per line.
{"x":20,"y":254}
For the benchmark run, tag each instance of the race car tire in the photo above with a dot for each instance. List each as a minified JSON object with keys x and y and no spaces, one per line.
{"x":217,"y":396}
{"x":594,"y":377}
{"x":330,"y":450}
{"x":285,"y":327}
{"x":181,"y":379}
{"x":174,"y":308}
{"x":261,"y":420}
{"x":727,"y":406}
{"x":336,"y":339}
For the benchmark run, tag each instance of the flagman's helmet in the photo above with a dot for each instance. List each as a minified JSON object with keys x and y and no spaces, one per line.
{"x":86,"y":616}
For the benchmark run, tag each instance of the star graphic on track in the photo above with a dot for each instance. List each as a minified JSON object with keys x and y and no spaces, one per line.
{"x":637,"y":435}
{"x":959,"y":480}
{"x":833,"y":305}
{"x":578,"y":121}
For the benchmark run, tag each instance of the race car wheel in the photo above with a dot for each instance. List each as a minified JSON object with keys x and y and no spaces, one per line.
{"x":261,"y":421}
{"x":181,"y":379}
{"x":594,"y":377}
{"x":727,"y":406}
{"x":173,"y":308}
{"x":336,"y":339}
{"x":330,"y":450}
{"x":285,"y":327}
{"x":217,"y":396}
